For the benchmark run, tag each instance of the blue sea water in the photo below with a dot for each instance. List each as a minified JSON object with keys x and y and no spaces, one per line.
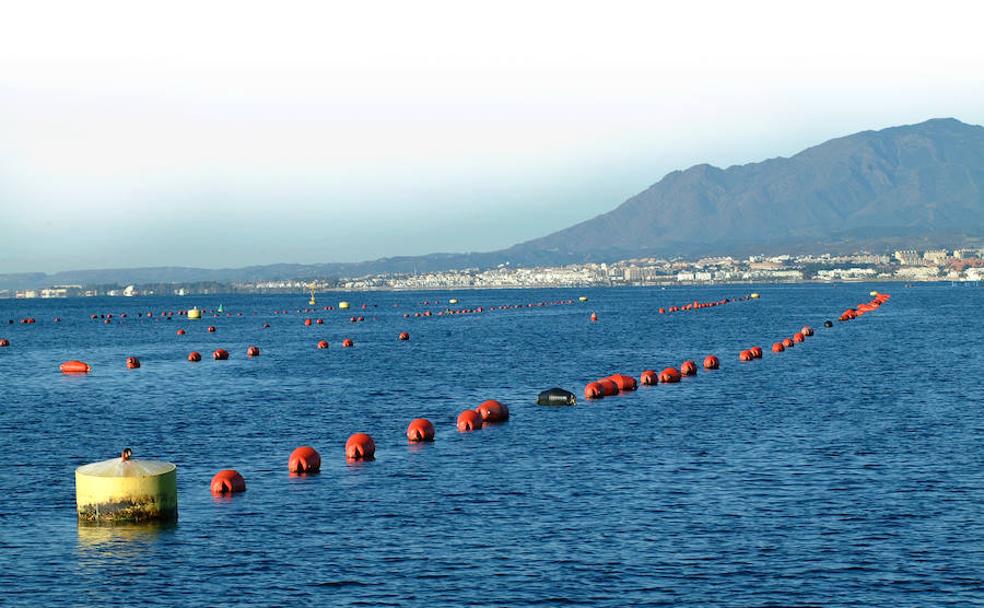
{"x":848,"y":471}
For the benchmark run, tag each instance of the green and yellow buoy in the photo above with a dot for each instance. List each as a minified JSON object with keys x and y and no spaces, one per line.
{"x":582,"y":299}
{"x":873,"y":294}
{"x":453,"y":301}
{"x":121,"y":490}
{"x":754,"y":296}
{"x":194,"y":313}
{"x":343,"y":305}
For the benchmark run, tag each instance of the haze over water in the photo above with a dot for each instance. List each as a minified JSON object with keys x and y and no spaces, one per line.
{"x":844,"y":472}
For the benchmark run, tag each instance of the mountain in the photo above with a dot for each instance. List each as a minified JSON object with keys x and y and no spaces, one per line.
{"x":910,"y":186}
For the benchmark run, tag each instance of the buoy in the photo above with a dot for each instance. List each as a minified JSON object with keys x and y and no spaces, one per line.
{"x":756,"y":352}
{"x":304,"y":459}
{"x":593,"y":390}
{"x":670,"y":375}
{"x":4,"y":342}
{"x":360,"y":446}
{"x":181,"y":332}
{"x":754,"y":296}
{"x":132,"y":363}
{"x":194,"y":356}
{"x":746,"y":355}
{"x":594,"y":316}
{"x":323,"y":344}
{"x":798,"y":338}
{"x":688,"y":368}
{"x":343,"y":305}
{"x":307,"y":322}
{"x":75,"y":367}
{"x":711,"y":362}
{"x":778,"y":347}
{"x":227,"y":481}
{"x":220,"y":354}
{"x":404,"y":336}
{"x":649,"y":377}
{"x":786,"y":342}
{"x":623,"y":382}
{"x":492,"y":411}
{"x":211,"y":329}
{"x":121,"y":490}
{"x":453,"y":301}
{"x":319,"y":322}
{"x":828,"y":324}
{"x":582,"y":298}
{"x":872,"y":293}
{"x":266,"y":326}
{"x":347,"y":343}
{"x":608,"y":387}
{"x":556,"y":396}
{"x":420,"y":429}
{"x":469,"y":420}
{"x":807,"y":330}
{"x":253,"y":351}
{"x":194,"y":314}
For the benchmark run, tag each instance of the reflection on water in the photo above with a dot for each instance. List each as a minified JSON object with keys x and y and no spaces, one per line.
{"x":120,"y":541}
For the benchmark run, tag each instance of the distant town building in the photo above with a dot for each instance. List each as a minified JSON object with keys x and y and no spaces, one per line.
{"x":908,"y":257}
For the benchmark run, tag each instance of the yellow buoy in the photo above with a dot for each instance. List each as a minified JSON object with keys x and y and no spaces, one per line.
{"x":121,"y":490}
{"x":194,"y":313}
{"x":343,"y":305}
{"x":453,"y":301}
{"x":582,"y":299}
{"x":754,"y":296}
{"x":873,"y":294}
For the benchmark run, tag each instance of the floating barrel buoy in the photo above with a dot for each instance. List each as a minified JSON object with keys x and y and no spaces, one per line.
{"x":181,"y":332}
{"x":132,"y":363}
{"x":469,"y":420}
{"x":828,"y":324}
{"x":623,"y":382}
{"x":593,"y":390}
{"x":807,"y":330}
{"x":746,"y":355}
{"x":582,"y":298}
{"x":75,"y":367}
{"x":4,"y":342}
{"x":360,"y":446}
{"x":227,"y":481}
{"x":323,"y":344}
{"x":121,"y":490}
{"x":649,"y":377}
{"x":220,"y":354}
{"x":799,"y":338}
{"x":304,"y":459}
{"x":711,"y":362}
{"x":343,"y":305}
{"x":194,"y":314}
{"x":608,"y":387}
{"x":420,"y":429}
{"x":756,"y":352}
{"x":404,"y":336}
{"x":594,"y":316}
{"x":786,"y":342}
{"x":492,"y":411}
{"x":670,"y":375}
{"x":688,"y":368}
{"x":211,"y":329}
{"x":556,"y":396}
{"x":347,"y":343}
{"x":778,"y":347}
{"x":253,"y":351}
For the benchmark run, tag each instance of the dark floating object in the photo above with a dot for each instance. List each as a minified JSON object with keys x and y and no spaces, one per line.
{"x":828,"y":324}
{"x":556,"y":396}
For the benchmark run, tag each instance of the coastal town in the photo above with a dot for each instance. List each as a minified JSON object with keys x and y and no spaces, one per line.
{"x":910,"y":265}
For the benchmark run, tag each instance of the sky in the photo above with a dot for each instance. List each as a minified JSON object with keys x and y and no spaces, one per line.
{"x":226,"y":134}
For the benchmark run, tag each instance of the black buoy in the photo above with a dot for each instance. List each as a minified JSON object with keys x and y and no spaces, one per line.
{"x":556,"y":396}
{"x":828,"y":324}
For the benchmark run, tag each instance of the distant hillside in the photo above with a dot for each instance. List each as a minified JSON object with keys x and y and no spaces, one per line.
{"x":911,"y":186}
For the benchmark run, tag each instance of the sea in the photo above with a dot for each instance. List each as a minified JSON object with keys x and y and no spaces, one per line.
{"x":846,"y":471}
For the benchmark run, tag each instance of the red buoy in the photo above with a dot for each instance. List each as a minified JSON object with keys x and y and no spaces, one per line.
{"x":227,"y":481}
{"x":594,"y":316}
{"x":807,"y":330}
{"x":778,"y":347}
{"x":756,"y":352}
{"x":492,"y":411}
{"x":711,"y":362}
{"x":688,"y":368}
{"x":420,"y":429}
{"x":787,"y":343}
{"x":623,"y":382}
{"x":670,"y":375}
{"x":307,"y":322}
{"x":745,"y":355}
{"x":323,"y":344}
{"x":220,"y":354}
{"x":608,"y":387}
{"x":649,"y":377}
{"x":404,"y":335}
{"x":798,"y":337}
{"x":253,"y":351}
{"x":469,"y":420}
{"x":75,"y":367}
{"x":304,"y":459}
{"x":360,"y":446}
{"x":593,"y":390}
{"x":194,"y":356}
{"x":320,"y":322}
{"x":4,"y":342}
{"x":347,"y":343}
{"x":132,"y":363}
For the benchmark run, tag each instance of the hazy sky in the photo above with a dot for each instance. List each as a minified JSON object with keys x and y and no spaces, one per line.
{"x":221,"y":134}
